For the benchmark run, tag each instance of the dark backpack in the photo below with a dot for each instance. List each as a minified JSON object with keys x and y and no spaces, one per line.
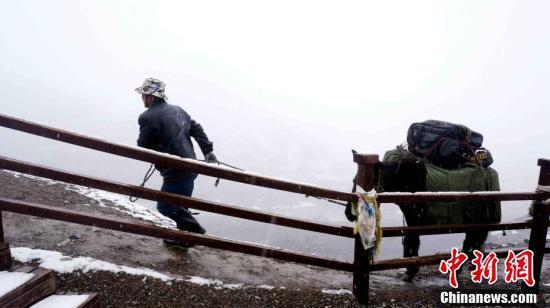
{"x":444,"y":144}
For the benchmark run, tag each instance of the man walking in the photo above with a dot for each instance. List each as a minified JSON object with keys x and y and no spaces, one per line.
{"x":168,"y":128}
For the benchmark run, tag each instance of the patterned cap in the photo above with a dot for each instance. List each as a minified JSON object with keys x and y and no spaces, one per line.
{"x":153,"y":87}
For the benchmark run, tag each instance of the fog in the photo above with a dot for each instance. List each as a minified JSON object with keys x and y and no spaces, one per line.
{"x":284,"y":89}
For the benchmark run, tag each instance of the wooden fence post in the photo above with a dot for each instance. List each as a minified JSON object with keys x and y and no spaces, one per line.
{"x":366,"y":175}
{"x":539,"y":231}
{"x":5,"y":255}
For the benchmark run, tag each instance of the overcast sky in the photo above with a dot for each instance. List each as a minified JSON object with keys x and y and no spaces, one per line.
{"x":285,"y":88}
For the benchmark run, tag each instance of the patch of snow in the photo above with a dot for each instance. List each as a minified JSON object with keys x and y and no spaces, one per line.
{"x":61,"y":301}
{"x":204,"y":282}
{"x":218,"y":284}
{"x":233,"y":286}
{"x":64,"y":264}
{"x":124,"y":205}
{"x":337,"y":292}
{"x":15,"y":174}
{"x":12,"y":280}
{"x":267,"y":287}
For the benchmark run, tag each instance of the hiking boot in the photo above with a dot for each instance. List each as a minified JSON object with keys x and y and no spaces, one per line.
{"x":407,"y":275}
{"x":178,"y":244}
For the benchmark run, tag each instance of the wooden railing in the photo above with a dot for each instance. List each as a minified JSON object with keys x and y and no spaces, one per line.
{"x":367,"y":164}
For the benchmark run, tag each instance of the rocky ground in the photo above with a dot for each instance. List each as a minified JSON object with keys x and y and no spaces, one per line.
{"x":248,"y":281}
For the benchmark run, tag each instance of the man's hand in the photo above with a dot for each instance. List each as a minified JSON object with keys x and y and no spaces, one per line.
{"x":210,"y":158}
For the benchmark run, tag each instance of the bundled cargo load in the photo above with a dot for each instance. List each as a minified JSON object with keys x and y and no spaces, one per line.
{"x":447,"y":145}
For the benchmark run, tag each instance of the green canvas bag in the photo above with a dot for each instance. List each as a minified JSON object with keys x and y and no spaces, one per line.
{"x":469,"y":177}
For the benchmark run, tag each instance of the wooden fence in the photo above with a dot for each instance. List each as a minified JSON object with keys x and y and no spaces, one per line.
{"x":367,"y":164}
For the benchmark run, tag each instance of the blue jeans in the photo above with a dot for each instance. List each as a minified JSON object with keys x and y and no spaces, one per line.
{"x":181,"y":215}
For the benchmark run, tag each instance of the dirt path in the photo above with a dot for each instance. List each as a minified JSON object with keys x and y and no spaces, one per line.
{"x":293,"y":284}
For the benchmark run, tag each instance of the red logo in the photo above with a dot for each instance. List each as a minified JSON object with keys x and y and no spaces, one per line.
{"x":484,"y":268}
{"x":516,"y":267}
{"x":452,"y":265}
{"x":520,"y":267}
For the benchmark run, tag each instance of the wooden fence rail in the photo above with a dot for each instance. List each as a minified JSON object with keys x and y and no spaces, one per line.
{"x":170,"y":160}
{"x":387,"y":264}
{"x":38,"y":210}
{"x":155,"y":195}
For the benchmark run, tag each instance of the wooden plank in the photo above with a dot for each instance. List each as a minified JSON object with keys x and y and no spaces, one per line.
{"x":38,"y":287}
{"x":539,"y":231}
{"x":170,"y":160}
{"x":361,"y":276}
{"x":544,"y":175}
{"x":21,"y":207}
{"x":93,"y":301}
{"x":25,"y":269}
{"x":458,"y":196}
{"x":365,"y":177}
{"x":423,"y":260}
{"x":155,"y":195}
{"x":544,"y":163}
{"x":537,"y":242}
{"x":447,"y":229}
{"x":1,"y":229}
{"x":16,"y":267}
{"x":5,"y":257}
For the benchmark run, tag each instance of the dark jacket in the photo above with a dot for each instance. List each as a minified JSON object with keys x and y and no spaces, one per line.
{"x":168,"y":128}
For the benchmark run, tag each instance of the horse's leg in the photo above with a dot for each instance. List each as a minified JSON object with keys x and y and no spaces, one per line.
{"x":474,"y":240}
{"x":411,"y":243}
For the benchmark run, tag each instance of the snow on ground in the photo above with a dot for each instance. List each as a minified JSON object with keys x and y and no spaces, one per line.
{"x":204,"y":282}
{"x":12,"y":280}
{"x":122,"y":203}
{"x":337,"y":292}
{"x":65,"y":264}
{"x":61,"y":301}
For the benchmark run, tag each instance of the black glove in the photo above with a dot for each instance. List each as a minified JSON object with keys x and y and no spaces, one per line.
{"x":348,"y":213}
{"x":210,"y":158}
